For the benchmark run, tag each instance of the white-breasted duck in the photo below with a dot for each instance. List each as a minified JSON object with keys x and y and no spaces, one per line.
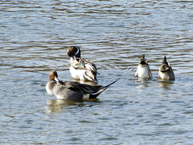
{"x":80,"y":68}
{"x":143,"y":69}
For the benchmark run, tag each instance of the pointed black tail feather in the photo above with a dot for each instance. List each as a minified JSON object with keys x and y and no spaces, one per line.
{"x":94,"y":95}
{"x":111,"y":83}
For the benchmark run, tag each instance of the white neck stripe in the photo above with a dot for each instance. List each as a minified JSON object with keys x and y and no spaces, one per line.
{"x":78,"y":50}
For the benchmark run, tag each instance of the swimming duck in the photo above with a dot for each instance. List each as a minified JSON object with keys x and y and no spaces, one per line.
{"x":80,"y":68}
{"x":72,"y":90}
{"x":166,"y":71}
{"x":143,"y":70}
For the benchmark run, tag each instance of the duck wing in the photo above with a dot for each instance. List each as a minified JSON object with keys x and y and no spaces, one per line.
{"x":94,"y":91}
{"x":81,"y":88}
{"x":88,"y":65}
{"x":81,"y":63}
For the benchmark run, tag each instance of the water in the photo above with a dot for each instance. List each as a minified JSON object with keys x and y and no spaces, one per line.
{"x":34,"y":37}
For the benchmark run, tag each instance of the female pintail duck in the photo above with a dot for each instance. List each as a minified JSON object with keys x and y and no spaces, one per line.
{"x":80,"y":68}
{"x":143,"y":70}
{"x":72,"y":90}
{"x":166,"y":71}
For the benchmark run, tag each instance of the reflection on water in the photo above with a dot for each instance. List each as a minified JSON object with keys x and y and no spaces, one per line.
{"x":166,"y":84}
{"x":142,"y":82}
{"x":58,"y":105}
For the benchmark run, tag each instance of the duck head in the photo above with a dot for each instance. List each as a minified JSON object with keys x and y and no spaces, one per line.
{"x":74,"y":51}
{"x":53,"y":76}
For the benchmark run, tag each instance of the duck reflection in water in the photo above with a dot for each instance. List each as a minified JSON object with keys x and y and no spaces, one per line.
{"x":59,"y":105}
{"x":142,"y":82}
{"x":166,"y":84}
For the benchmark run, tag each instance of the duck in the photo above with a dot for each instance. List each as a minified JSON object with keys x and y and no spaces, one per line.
{"x":166,"y":71}
{"x":72,"y":90}
{"x":81,"y":68}
{"x":143,"y":69}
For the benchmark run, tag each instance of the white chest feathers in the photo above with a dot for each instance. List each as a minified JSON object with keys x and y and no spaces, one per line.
{"x":77,"y":73}
{"x":164,"y":75}
{"x":143,"y":71}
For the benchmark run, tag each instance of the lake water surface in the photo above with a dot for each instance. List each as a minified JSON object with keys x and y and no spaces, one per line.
{"x":34,"y":37}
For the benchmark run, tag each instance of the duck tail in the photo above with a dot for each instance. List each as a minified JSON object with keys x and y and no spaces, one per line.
{"x":111,"y":83}
{"x":168,"y":63}
{"x":94,"y":95}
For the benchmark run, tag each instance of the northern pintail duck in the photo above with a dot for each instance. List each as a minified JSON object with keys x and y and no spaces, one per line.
{"x":166,"y":71}
{"x":143,"y":70}
{"x":72,"y":90}
{"x":80,"y":68}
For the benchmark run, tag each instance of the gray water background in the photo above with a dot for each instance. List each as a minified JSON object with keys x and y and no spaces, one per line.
{"x":34,"y":37}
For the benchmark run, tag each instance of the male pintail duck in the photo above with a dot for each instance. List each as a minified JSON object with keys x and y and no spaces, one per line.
{"x":72,"y":90}
{"x":80,"y":68}
{"x":143,"y":70}
{"x":166,"y":71}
